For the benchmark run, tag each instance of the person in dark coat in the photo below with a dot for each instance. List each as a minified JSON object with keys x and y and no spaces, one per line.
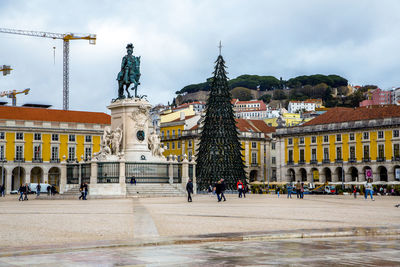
{"x":86,"y":191}
{"x":48,"y":190}
{"x":27,"y":189}
{"x":189,"y":189}
{"x":218,"y":190}
{"x":82,"y":190}
{"x":223,"y":189}
{"x":21,"y":192}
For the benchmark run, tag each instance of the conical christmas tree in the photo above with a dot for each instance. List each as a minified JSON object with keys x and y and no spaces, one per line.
{"x":219,"y":153}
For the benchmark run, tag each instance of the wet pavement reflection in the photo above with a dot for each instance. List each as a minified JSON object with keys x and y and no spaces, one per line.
{"x":351,"y":251}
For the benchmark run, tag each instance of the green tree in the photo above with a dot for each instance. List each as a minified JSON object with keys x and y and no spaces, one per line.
{"x":219,"y":153}
{"x":265,"y":98}
{"x":241,"y":93}
{"x":279,"y":95}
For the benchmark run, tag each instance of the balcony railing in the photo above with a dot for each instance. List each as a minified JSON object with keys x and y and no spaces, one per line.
{"x":367,"y":159}
{"x":19,"y":159}
{"x":381,"y":159}
{"x":54,"y":160}
{"x":313,"y":161}
{"x":395,"y":158}
{"x":302,"y":162}
{"x":326,"y":161}
{"x":352,"y":160}
{"x":339,"y":160}
{"x":290,"y":162}
{"x":254,"y":164}
{"x":37,"y":160}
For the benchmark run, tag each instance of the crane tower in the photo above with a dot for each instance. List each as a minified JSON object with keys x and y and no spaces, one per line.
{"x":66,"y":38}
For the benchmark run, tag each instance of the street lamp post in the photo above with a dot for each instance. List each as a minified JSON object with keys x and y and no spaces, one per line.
{"x":342,"y":175}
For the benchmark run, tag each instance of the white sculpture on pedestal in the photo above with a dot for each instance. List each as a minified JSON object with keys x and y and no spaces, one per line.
{"x":111,"y":145}
{"x":155,"y":146}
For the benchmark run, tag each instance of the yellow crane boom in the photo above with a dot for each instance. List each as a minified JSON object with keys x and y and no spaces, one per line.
{"x":5,"y":69}
{"x":66,"y":37}
{"x":13,"y":94}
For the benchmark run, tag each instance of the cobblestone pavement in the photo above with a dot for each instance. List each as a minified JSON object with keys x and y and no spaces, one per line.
{"x":361,"y":251}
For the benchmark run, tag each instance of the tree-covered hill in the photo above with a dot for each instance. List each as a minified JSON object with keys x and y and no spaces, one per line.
{"x":267,"y":83}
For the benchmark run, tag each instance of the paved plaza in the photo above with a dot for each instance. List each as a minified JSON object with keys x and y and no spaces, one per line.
{"x":48,"y":227}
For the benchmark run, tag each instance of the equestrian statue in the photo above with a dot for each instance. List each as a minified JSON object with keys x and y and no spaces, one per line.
{"x":129,"y":74}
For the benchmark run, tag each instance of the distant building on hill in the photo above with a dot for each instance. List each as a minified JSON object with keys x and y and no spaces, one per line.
{"x":307,"y":105}
{"x":377,"y":97}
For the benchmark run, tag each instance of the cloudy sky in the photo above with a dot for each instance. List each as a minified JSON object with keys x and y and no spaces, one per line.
{"x":177,"y":42}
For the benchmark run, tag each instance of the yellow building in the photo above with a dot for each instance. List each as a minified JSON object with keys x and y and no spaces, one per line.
{"x":181,"y":137}
{"x":343,"y":142}
{"x":33,"y":142}
{"x":172,"y":115}
{"x":290,"y":119}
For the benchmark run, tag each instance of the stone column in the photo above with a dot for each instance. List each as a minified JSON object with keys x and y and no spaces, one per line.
{"x":246,"y":153}
{"x":8,"y":181}
{"x":194,"y":178}
{"x":185,"y":171}
{"x":45,"y":176}
{"x":28,"y":175}
{"x":390,"y":174}
{"x":122,"y":181}
{"x":263,"y":165}
{"x":63,"y":177}
{"x":171,"y":172}
{"x":93,"y":172}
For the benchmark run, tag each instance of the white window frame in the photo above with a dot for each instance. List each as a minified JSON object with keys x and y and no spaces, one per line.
{"x":55,"y":137}
{"x":37,"y":137}
{"x":17,"y":134}
{"x":69,"y":153}
{"x":56,"y":154}
{"x":37,"y":156}
{"x":16,"y":151}
{"x":70,"y":138}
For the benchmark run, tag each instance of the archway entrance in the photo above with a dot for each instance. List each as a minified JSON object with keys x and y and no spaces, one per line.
{"x":315,"y":175}
{"x":18,"y":178}
{"x":291,"y":175}
{"x":383,"y":176}
{"x":396,"y":172}
{"x":364,"y":175}
{"x":303,"y":175}
{"x":253,"y":176}
{"x":339,"y":173}
{"x":3,"y":176}
{"x":37,"y":175}
{"x":328,"y":175}
{"x":54,"y":177}
{"x":354,"y":174}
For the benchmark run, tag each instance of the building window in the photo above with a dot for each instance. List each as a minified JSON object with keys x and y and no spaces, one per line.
{"x":366,"y":152}
{"x":71,"y":138}
{"x":173,"y":145}
{"x":88,"y":153}
{"x":1,"y":152}
{"x":301,"y":155}
{"x":351,"y":137}
{"x":314,"y":154}
{"x":290,"y":141}
{"x":54,"y":153}
{"x":179,"y":132}
{"x":396,"y":150}
{"x":290,"y":155}
{"x":37,"y":137}
{"x":395,"y":133}
{"x":190,"y":143}
{"x":54,"y":137}
{"x":301,"y":140}
{"x":190,"y":155}
{"x":167,"y":145}
{"x":273,"y":160}
{"x":381,"y":151}
{"x":19,"y":136}
{"x":313,"y":139}
{"x":2,"y":136}
{"x":326,"y":153}
{"x":339,"y":153}
{"x":173,"y":133}
{"x":254,"y":158}
{"x":168,"y":134}
{"x":380,"y":134}
{"x":253,"y":144}
{"x":36,"y":152}
{"x":19,"y":152}
{"x":366,"y":135}
{"x":338,"y":138}
{"x":273,"y":145}
{"x":88,"y":138}
{"x":179,"y":144}
{"x":353,"y":152}
{"x":162,"y":135}
{"x":326,"y":138}
{"x":71,"y":153}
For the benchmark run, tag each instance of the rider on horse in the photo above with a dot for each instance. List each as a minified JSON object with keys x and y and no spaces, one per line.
{"x":129,"y":73}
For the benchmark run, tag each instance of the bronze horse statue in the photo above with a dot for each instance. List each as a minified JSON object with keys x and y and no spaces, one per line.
{"x":130,"y":73}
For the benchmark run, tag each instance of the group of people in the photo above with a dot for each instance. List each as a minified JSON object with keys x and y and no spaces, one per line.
{"x":2,"y":190}
{"x":23,"y":191}
{"x":242,"y":189}
{"x":298,"y":188}
{"x":84,"y":189}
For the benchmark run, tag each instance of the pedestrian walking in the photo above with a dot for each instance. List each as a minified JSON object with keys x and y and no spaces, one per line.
{"x":53,"y":190}
{"x":289,"y":191}
{"x":355,"y":191}
{"x":38,"y":187}
{"x":369,"y":190}
{"x":2,"y":190}
{"x":85,"y":190}
{"x":302,"y":190}
{"x":277,"y":189}
{"x":27,"y":190}
{"x":218,"y":190}
{"x":298,"y":187}
{"x":189,"y":189}
{"x":239,"y":186}
{"x":82,"y":191}
{"x":210,"y":190}
{"x":21,"y":191}
{"x":223,"y":188}
{"x":245,"y":190}
{"x":48,"y":190}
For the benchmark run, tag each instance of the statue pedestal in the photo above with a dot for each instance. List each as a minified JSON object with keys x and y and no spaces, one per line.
{"x":132,"y":116}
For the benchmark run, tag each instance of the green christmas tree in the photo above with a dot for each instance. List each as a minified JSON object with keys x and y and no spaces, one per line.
{"x":219,"y":153}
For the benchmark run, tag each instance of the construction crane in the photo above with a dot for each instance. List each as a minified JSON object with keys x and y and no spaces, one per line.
{"x":13,"y":94}
{"x":66,"y":38}
{"x":5,"y":69}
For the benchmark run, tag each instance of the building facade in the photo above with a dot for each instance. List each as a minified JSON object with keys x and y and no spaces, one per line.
{"x":33,"y":142}
{"x":342,"y":145}
{"x":377,"y":97}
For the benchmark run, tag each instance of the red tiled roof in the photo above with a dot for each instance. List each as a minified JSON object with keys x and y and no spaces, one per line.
{"x":256,"y":126}
{"x":40,"y":114}
{"x":340,"y":114}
